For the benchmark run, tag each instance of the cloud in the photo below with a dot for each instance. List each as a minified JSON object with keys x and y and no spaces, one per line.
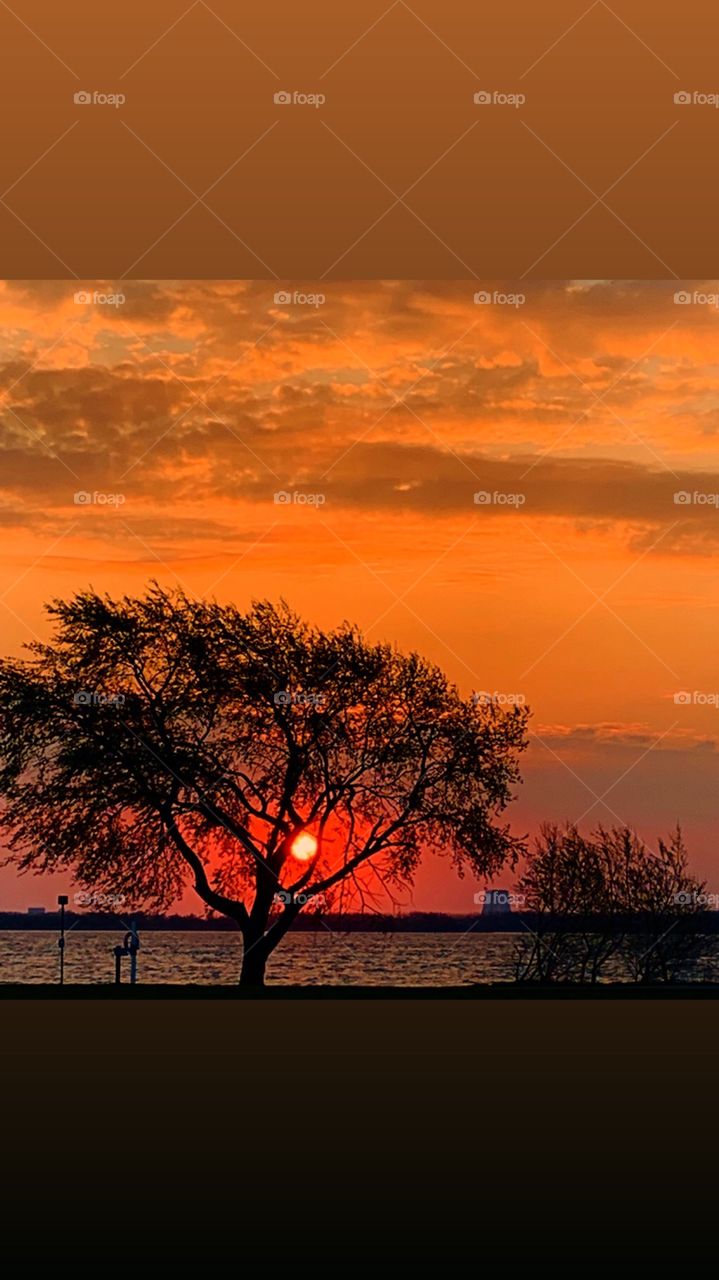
{"x":590,"y":737}
{"x":594,"y":401}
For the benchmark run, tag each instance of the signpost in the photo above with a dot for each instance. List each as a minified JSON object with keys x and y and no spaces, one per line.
{"x":62,"y":900}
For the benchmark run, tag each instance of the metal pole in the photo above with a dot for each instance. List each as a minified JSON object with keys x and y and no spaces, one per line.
{"x":62,"y":900}
{"x":119,"y":953}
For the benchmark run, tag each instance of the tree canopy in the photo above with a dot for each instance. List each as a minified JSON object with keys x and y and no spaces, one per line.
{"x":606,"y":905}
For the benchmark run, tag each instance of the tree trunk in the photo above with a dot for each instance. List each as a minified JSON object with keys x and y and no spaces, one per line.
{"x":254,"y":960}
{"x":257,"y":945}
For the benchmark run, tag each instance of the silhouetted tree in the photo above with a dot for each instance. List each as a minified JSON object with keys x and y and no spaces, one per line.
{"x":163,"y":737}
{"x":606,"y":905}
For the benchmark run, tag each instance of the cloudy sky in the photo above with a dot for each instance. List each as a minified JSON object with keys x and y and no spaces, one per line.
{"x":491,"y":483}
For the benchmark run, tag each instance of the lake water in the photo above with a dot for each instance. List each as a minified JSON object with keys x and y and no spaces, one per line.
{"x":302,"y":959}
{"x":336,"y":959}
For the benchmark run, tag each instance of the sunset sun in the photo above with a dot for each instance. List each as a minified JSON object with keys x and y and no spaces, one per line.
{"x":304,"y":847}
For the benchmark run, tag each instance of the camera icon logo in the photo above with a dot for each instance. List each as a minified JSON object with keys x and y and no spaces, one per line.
{"x":482,"y":298}
{"x":83,"y":698}
{"x":682,"y":298}
{"x":82,"y":297}
{"x":282,"y":298}
{"x":82,"y":498}
{"x":483,"y":498}
{"x":682,"y":498}
{"x":82,"y":98}
{"x":683,"y":698}
{"x":282,"y":498}
{"x":482,"y":98}
{"x":283,"y":698}
{"x":682,"y":98}
{"x":283,"y":98}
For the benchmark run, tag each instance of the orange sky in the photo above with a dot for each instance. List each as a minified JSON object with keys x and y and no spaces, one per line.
{"x":593,"y":594}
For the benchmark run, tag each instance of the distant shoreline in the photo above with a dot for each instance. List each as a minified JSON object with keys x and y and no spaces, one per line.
{"x":706,"y":922}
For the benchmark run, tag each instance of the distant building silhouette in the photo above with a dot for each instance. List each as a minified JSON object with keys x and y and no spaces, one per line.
{"x":36,"y":911}
{"x":497,"y":902}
